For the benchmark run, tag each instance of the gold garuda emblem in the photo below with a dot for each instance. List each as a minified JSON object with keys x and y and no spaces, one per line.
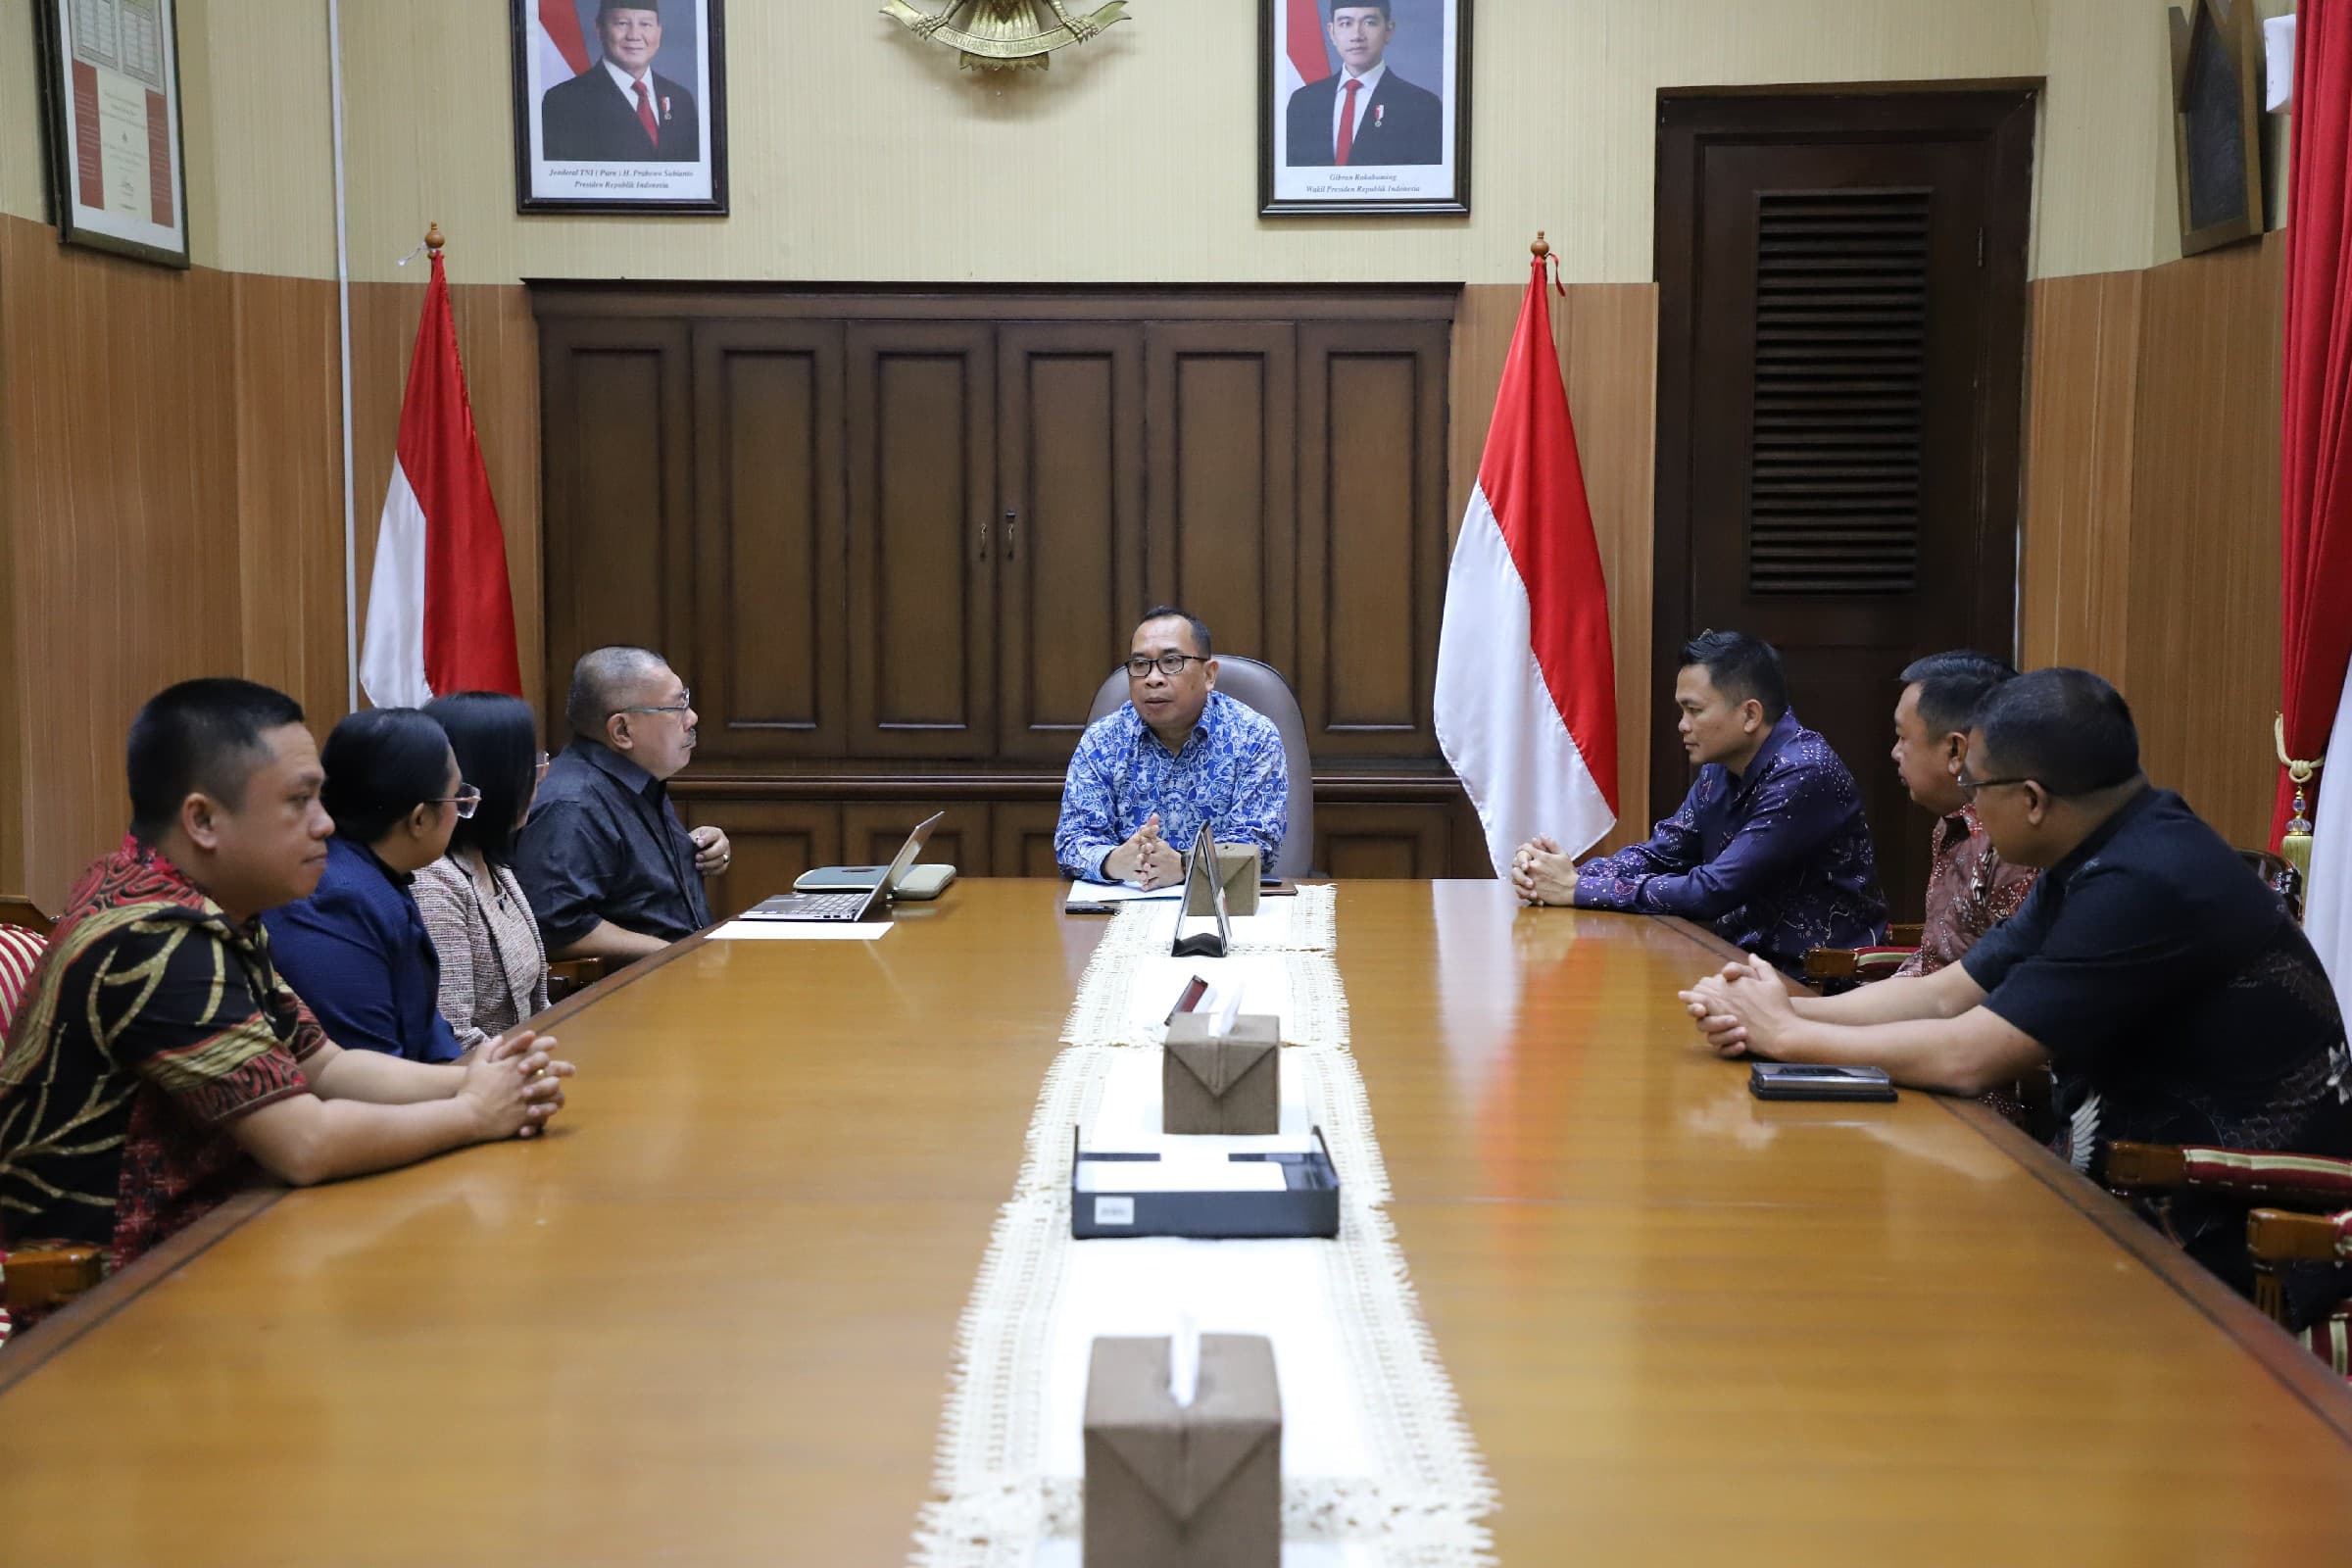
{"x":1002,"y":34}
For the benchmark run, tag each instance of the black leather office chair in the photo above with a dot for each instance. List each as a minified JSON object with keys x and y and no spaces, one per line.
{"x":1260,"y":686}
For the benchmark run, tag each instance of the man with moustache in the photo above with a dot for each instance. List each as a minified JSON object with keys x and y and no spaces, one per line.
{"x":609,"y":868}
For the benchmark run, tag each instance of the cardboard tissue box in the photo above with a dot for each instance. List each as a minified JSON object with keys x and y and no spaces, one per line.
{"x":1230,"y":1084}
{"x":1237,"y":870}
{"x":1173,"y":1485}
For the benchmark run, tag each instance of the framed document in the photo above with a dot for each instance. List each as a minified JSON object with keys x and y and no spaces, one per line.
{"x":619,"y":108}
{"x":110,"y":97}
{"x":1363,"y":106}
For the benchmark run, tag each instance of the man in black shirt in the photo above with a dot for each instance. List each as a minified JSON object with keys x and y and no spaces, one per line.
{"x":610,"y":871}
{"x":2169,"y":992}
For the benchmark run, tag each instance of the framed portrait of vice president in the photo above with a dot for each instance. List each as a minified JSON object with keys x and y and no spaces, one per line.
{"x":1365,"y":106}
{"x":620,"y":106}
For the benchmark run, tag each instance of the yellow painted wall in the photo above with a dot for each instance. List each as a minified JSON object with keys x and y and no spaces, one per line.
{"x":861,"y":155}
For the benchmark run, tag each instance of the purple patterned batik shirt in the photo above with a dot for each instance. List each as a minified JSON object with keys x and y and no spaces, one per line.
{"x":1776,"y":861}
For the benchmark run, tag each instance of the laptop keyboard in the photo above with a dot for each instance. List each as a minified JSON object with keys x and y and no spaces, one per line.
{"x":825,"y":907}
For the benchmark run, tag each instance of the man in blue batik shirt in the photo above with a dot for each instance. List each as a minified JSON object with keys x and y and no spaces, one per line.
{"x":1769,"y":849}
{"x":1179,"y":753}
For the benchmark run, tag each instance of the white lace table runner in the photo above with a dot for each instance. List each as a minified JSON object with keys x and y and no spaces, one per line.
{"x":1379,"y":1469}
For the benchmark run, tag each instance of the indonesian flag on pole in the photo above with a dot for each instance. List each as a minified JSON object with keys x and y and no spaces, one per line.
{"x":1303,"y":59}
{"x":555,"y":36}
{"x":1527,"y":691}
{"x":440,"y":614}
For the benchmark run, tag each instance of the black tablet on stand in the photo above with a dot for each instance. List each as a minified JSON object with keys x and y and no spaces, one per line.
{"x":1200,"y":880}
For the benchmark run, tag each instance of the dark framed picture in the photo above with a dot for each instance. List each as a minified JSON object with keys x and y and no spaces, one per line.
{"x":621,"y":108}
{"x":110,"y":97}
{"x":1364,"y":107}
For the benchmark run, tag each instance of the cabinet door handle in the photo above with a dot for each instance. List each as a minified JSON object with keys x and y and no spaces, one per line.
{"x":1012,"y":535}
{"x":983,"y":556}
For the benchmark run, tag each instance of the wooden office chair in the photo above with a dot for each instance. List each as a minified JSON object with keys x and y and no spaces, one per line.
{"x":23,"y":938}
{"x":2280,"y":875}
{"x":2315,"y":1227}
{"x":569,"y":975}
{"x":1842,"y":968}
{"x":1259,"y":686}
{"x":44,"y":1275}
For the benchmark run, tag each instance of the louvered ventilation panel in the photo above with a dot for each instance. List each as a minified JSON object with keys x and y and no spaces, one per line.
{"x":1842,"y":338}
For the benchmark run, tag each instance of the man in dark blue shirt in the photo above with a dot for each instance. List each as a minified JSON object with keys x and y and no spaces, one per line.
{"x":609,"y":868}
{"x":1769,"y":849}
{"x":2170,"y":994}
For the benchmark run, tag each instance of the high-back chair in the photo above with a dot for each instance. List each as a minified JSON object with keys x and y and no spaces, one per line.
{"x":23,"y":938}
{"x":2280,"y":875}
{"x":1260,"y":686}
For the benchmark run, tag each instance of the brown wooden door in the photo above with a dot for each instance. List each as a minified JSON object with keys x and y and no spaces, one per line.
{"x":1371,"y":534}
{"x":922,"y":499}
{"x":768,"y":675}
{"x":1069,"y":542}
{"x":618,"y":471}
{"x":1223,"y":402}
{"x":1842,"y":287}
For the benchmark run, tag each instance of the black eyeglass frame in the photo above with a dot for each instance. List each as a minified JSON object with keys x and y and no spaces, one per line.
{"x":1160,"y":661}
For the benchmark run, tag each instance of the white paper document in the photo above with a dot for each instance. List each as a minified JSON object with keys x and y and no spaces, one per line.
{"x":1083,"y":894}
{"x":802,"y":931}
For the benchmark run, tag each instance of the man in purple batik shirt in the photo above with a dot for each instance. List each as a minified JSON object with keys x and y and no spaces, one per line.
{"x":1769,"y":849}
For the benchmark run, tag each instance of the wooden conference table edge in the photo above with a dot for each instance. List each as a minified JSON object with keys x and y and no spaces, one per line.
{"x":2303,"y":1374}
{"x":44,"y":1343}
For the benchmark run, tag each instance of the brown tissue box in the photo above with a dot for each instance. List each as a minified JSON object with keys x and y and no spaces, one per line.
{"x":1237,"y":869}
{"x":1231,"y":1086}
{"x":1172,"y":1487}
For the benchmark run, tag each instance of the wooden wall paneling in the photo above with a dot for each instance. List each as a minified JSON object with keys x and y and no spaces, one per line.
{"x":119,"y":435}
{"x":619,"y":490}
{"x":1069,"y":553}
{"x":1022,"y":838}
{"x":1221,"y":530}
{"x":771,"y":540}
{"x":923,"y":535}
{"x":1372,"y":840}
{"x":772,"y":842}
{"x":1372,"y":535}
{"x":2203,"y":639}
{"x":289,"y":477}
{"x":2083,"y":389}
{"x":871,"y":832}
{"x":498,"y":343}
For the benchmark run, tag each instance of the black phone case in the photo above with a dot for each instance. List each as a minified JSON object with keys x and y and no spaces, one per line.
{"x":1764,"y":1088}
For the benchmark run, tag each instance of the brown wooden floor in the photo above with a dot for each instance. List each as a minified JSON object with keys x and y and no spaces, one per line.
{"x":712,"y":1321}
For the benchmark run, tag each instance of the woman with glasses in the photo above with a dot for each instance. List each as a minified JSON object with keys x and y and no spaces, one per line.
{"x":493,"y":963}
{"x":357,"y":950}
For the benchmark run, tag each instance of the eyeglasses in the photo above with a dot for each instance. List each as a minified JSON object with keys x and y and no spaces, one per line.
{"x":685,"y":701}
{"x":1143,"y":664}
{"x":467,"y":800}
{"x":1970,"y":786}
{"x":544,"y":760}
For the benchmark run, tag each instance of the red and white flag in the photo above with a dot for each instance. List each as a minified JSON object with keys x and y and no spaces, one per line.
{"x":557,"y":40}
{"x":1303,"y":59}
{"x":440,"y":614}
{"x":1527,"y":691}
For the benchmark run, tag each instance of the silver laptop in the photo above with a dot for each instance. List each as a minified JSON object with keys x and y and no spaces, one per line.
{"x":864,"y":904}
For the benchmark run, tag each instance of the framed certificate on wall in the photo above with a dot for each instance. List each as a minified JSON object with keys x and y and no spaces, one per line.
{"x":620,"y":106}
{"x":109,"y":98}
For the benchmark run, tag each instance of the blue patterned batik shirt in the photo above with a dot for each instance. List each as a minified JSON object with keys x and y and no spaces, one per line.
{"x":1776,"y":862}
{"x":1230,"y":774}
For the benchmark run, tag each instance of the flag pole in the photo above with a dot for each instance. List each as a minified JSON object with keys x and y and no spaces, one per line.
{"x":351,"y":516}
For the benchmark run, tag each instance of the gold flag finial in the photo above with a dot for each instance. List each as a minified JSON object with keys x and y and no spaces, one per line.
{"x":1541,"y":248}
{"x":432,"y":237}
{"x":2294,"y":846}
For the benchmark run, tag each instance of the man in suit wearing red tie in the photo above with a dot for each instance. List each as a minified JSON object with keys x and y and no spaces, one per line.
{"x":620,"y":110}
{"x":1366,"y":115}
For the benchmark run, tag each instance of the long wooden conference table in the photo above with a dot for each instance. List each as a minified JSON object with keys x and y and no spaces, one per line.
{"x":712,"y":1319}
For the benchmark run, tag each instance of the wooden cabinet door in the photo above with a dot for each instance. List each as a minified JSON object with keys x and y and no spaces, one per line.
{"x":922,"y":499}
{"x":618,"y":487}
{"x":1069,"y":540}
{"x":772,"y":842}
{"x":1024,"y":832}
{"x":871,"y":832}
{"x":1221,"y":525}
{"x":1371,"y":534}
{"x":769,"y":673}
{"x":1383,"y":840}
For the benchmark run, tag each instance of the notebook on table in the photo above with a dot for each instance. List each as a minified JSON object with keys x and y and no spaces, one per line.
{"x":864,"y":904}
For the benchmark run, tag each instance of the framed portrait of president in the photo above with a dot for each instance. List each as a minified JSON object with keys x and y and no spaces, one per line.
{"x":1364,"y":107}
{"x":620,"y":107}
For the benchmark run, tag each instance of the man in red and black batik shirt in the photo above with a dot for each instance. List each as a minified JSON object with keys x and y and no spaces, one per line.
{"x":159,"y":1055}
